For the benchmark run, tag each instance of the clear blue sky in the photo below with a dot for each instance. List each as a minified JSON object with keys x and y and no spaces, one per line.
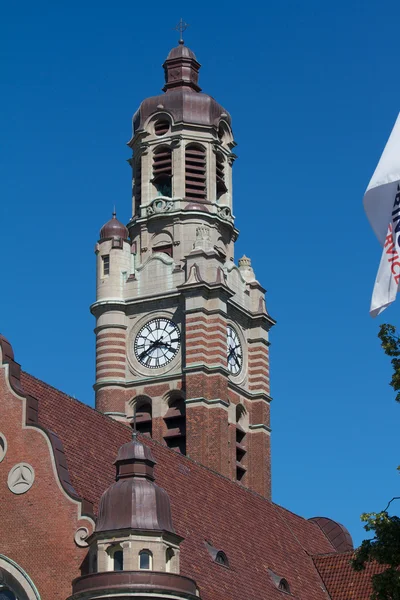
{"x":313,"y":90}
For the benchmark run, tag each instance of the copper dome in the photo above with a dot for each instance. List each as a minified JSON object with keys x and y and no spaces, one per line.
{"x":182,"y":99}
{"x":113,"y":229}
{"x":134,"y":501}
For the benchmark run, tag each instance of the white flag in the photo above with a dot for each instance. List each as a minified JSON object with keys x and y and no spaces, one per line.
{"x":388,"y":277}
{"x":382,"y":205}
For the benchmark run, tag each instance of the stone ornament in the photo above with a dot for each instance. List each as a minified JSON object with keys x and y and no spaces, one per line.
{"x":225,"y":213}
{"x":160,"y":205}
{"x":203,"y":238}
{"x":3,"y":446}
{"x":80,"y":537}
{"x":21,"y":478}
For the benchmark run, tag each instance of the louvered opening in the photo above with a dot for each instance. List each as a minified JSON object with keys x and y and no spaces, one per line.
{"x":144,"y":419}
{"x":220,"y":175}
{"x":161,"y":127}
{"x":240,"y":450}
{"x":138,"y":186}
{"x":195,"y":172}
{"x":162,"y":171}
{"x":175,"y":421}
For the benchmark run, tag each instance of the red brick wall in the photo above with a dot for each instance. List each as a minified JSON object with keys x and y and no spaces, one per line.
{"x":37,"y":527}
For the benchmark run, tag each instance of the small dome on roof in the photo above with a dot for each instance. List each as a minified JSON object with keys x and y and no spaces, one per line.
{"x":113,"y":229}
{"x":134,"y":501}
{"x":181,"y":51}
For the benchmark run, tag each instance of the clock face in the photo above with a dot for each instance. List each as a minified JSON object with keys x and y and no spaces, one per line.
{"x":234,"y":351}
{"x":157,"y":343}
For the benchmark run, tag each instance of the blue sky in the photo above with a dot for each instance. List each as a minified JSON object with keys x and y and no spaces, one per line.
{"x":313,"y":90}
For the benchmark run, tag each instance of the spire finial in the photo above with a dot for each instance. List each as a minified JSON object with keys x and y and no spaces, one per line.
{"x":181,"y":27}
{"x":114,"y":213}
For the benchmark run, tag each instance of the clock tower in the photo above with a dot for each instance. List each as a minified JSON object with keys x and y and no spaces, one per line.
{"x":181,"y":330}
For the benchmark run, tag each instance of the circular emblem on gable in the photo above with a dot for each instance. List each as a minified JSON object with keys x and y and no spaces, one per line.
{"x":21,"y":478}
{"x":3,"y":446}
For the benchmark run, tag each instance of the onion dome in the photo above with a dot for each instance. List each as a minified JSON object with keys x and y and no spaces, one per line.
{"x":113,"y":229}
{"x":183,"y":99}
{"x":134,"y":501}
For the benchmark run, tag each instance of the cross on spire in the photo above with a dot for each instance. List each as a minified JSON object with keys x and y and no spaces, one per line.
{"x":181,"y":27}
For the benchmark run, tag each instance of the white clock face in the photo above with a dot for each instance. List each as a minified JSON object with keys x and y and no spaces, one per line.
{"x":234,"y":351}
{"x":157,"y":343}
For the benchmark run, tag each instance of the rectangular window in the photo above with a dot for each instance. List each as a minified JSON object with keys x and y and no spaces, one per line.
{"x":106,"y":264}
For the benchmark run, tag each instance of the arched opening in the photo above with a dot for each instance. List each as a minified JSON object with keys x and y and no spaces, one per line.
{"x":195,"y":172}
{"x":175,"y":420}
{"x":162,"y":171}
{"x":143,"y":415}
{"x":162,"y":242}
{"x":145,"y":560}
{"x":116,"y":555}
{"x":161,"y":127}
{"x":169,"y":557}
{"x":240,"y":442}
{"x":7,"y":594}
{"x":284,"y":586}
{"x":15,"y":583}
{"x":221,"y":558}
{"x":220,"y":175}
{"x":137,"y":191}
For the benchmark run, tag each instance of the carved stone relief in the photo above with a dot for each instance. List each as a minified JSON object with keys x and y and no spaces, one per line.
{"x":80,"y":537}
{"x":160,"y":205}
{"x":3,"y":446}
{"x":21,"y":478}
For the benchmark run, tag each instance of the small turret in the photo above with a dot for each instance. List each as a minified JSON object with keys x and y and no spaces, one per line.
{"x":134,"y":549}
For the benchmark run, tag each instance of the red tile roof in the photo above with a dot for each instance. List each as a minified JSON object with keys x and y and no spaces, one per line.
{"x":255,"y":534}
{"x":341,"y":581}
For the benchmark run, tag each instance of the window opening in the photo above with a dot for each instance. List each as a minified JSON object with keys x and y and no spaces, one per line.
{"x":162,"y":171}
{"x":169,"y":555}
{"x":220,"y":175}
{"x":161,"y":127}
{"x":175,"y":420}
{"x":145,"y":560}
{"x":106,"y":265}
{"x":195,"y":172}
{"x":118,"y":560}
{"x":240,"y":444}
{"x":221,"y":558}
{"x":138,"y":186}
{"x":144,"y":419}
{"x":166,"y":249}
{"x":284,"y":586}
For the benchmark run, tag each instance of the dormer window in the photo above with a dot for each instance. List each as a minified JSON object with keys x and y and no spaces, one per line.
{"x":162,"y":171}
{"x":284,"y":586}
{"x":221,"y":558}
{"x":145,"y":560}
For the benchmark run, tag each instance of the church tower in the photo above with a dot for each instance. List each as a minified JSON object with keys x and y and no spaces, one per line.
{"x":181,"y":330}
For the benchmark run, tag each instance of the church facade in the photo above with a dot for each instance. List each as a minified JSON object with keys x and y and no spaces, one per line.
{"x":163,"y":490}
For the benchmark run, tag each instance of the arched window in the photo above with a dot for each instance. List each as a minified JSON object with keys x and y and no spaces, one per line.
{"x":240,"y":443}
{"x":145,"y":560}
{"x":221,"y":558}
{"x":162,"y":171}
{"x":138,"y":185}
{"x":195,"y":172}
{"x":175,"y":420}
{"x":6,"y":594}
{"x":144,"y":416}
{"x":169,"y":555}
{"x":220,"y":174}
{"x":284,"y":586}
{"x":117,"y":558}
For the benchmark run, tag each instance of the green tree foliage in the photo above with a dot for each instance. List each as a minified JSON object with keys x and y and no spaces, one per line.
{"x":384,"y":547}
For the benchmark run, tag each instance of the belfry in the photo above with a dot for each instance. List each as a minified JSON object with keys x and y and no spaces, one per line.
{"x":181,"y":330}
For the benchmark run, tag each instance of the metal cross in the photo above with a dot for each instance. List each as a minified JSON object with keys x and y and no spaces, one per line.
{"x":181,"y":27}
